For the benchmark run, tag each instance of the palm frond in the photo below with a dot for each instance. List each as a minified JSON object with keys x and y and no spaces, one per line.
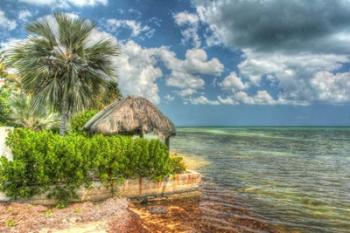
{"x":41,"y":28}
{"x":23,"y":114}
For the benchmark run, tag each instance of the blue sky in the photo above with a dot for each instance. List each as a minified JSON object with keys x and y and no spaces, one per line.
{"x":220,"y":62}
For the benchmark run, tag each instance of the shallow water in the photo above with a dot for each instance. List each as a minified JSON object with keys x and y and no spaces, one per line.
{"x":297,"y":179}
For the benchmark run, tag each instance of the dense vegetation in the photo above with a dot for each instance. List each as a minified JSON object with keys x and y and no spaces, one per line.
{"x":47,"y":162}
{"x":63,"y":73}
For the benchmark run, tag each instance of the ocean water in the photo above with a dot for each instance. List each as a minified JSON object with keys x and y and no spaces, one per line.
{"x":293,"y":178}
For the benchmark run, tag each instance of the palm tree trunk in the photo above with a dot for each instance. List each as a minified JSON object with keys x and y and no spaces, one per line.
{"x":63,"y":126}
{"x":64,"y":119}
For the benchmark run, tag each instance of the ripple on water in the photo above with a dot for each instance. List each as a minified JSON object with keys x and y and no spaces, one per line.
{"x":297,"y":179}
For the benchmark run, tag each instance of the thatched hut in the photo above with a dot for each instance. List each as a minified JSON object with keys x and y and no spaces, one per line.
{"x":132,"y":115}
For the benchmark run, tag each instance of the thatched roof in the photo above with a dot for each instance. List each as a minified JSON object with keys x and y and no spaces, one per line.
{"x":132,"y":115}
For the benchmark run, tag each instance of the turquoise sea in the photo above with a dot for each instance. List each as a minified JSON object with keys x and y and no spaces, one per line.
{"x":294,"y":178}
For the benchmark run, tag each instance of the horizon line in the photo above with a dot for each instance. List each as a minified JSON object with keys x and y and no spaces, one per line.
{"x":180,"y":126}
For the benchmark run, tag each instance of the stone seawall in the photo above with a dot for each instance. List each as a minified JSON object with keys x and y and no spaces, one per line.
{"x":176,"y":186}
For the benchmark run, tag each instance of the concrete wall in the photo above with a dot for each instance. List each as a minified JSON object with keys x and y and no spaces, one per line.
{"x":4,"y":149}
{"x":176,"y":186}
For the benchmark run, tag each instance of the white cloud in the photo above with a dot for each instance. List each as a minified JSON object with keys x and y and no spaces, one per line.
{"x":289,"y":73}
{"x":197,"y":62}
{"x":183,"y":18}
{"x":262,"y":97}
{"x":185,"y":80}
{"x":138,"y":71}
{"x":227,"y":100}
{"x":232,"y":83}
{"x":203,"y":100}
{"x":187,"y":92}
{"x":135,"y":26}
{"x":66,"y":3}
{"x":185,"y":74}
{"x":257,"y":64}
{"x":297,"y":79}
{"x":189,"y":24}
{"x":7,"y":23}
{"x":82,"y":3}
{"x":39,"y":2}
{"x":24,"y":15}
{"x":332,"y":87}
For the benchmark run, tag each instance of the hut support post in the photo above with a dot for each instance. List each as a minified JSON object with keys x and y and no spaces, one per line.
{"x":167,"y":142}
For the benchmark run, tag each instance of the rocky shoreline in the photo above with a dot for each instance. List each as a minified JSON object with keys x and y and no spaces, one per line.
{"x":119,"y":215}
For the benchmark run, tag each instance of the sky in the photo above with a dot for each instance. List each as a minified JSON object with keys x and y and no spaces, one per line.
{"x":219,"y":62}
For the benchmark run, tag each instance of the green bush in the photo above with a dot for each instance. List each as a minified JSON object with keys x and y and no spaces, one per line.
{"x":109,"y":156}
{"x":177,"y":164}
{"x":79,"y":120}
{"x":43,"y":160}
{"x":4,"y":106}
{"x":47,"y":162}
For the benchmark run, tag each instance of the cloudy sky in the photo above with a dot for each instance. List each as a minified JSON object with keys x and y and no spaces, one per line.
{"x":233,"y":62}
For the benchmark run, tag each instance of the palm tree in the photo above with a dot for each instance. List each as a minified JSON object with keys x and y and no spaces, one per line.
{"x":23,"y":114}
{"x":60,"y":64}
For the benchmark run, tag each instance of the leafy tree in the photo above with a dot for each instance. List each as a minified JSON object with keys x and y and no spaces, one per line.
{"x":62,"y":64}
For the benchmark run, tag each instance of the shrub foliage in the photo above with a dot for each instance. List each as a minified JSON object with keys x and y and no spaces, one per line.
{"x":79,"y":120}
{"x":47,"y":162}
